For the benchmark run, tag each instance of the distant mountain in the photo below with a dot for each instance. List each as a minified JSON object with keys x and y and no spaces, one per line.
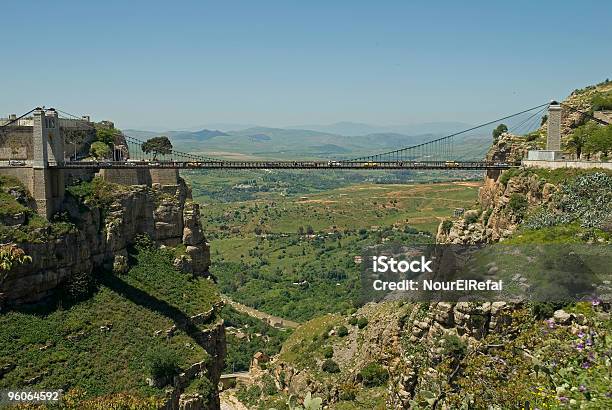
{"x":357,"y":129}
{"x":183,"y":136}
{"x":199,"y":136}
{"x":283,"y":143}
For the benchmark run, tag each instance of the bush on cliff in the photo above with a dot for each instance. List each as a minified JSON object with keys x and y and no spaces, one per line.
{"x":162,"y":364}
{"x":518,"y":204}
{"x":329,"y":366}
{"x":374,"y":375}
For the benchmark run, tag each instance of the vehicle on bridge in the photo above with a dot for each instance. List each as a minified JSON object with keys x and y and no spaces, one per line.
{"x":334,"y":164}
{"x":451,"y":164}
{"x":370,"y":164}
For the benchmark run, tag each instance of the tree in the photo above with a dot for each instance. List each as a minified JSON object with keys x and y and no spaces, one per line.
{"x":580,"y":137}
{"x":99,"y":150}
{"x":501,"y":128}
{"x":157,"y":145}
{"x":106,"y":135}
{"x":600,"y":140}
{"x":309,"y":230}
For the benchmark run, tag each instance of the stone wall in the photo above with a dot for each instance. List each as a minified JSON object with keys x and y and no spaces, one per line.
{"x":567,"y":164}
{"x":16,"y":143}
{"x":144,"y":176}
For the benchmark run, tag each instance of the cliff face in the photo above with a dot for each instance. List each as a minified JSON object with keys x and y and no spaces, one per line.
{"x":101,"y":236}
{"x":502,"y":201}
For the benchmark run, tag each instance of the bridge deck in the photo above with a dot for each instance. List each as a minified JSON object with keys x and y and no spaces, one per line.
{"x":363,"y":165}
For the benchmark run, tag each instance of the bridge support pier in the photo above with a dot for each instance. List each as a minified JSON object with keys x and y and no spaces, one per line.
{"x":48,"y":149}
{"x":553,"y":137}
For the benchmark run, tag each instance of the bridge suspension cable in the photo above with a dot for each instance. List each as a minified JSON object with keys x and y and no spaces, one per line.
{"x":440,"y":147}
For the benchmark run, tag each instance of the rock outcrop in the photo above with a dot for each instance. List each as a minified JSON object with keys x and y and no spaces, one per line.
{"x":101,"y":237}
{"x":502,"y":200}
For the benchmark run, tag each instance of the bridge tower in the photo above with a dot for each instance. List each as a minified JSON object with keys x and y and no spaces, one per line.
{"x":553,"y":139}
{"x":48,"y":150}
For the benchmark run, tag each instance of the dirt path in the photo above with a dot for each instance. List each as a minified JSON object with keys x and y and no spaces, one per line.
{"x":269,"y":319}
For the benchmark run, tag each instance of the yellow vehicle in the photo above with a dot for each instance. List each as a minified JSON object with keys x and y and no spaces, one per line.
{"x":370,"y":164}
{"x":451,"y":164}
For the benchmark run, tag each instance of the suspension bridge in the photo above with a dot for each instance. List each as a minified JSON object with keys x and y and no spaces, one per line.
{"x":437,"y":154}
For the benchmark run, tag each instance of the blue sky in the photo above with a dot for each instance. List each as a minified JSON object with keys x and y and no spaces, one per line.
{"x":171,"y":65}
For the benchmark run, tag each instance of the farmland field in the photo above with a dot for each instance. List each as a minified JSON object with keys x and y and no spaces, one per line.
{"x":294,"y":255}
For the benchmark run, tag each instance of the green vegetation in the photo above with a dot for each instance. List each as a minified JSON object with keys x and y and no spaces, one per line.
{"x":157,"y":145}
{"x":18,"y":221}
{"x":342,"y":331}
{"x":161,"y":363}
{"x":107,"y":343}
{"x":601,"y":101}
{"x":586,"y":200}
{"x":99,"y":150}
{"x":591,"y":138}
{"x":329,"y":366}
{"x":498,"y":131}
{"x":518,"y":203}
{"x":294,"y":257}
{"x":255,"y":336}
{"x":373,"y":375}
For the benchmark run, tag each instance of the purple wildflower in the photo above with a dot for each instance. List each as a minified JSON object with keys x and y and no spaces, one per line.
{"x":580,"y":347}
{"x":581,"y":335}
{"x":595,"y":301}
{"x":582,"y":388}
{"x":589,"y":342}
{"x":563,"y":399}
{"x":586,"y":365}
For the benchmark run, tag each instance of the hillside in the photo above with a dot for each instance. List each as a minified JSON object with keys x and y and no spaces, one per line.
{"x":114,"y":304}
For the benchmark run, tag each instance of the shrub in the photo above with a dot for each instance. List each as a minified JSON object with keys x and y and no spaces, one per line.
{"x":454,"y":346}
{"x":328,"y":352}
{"x":329,"y":366}
{"x":352,"y":321}
{"x":362,"y":322}
{"x":518,"y":203}
{"x":99,"y":150}
{"x":447,"y":225}
{"x":487,"y":216}
{"x":201,"y":385}
{"x":374,"y":375}
{"x":269,"y":387}
{"x":342,"y":331}
{"x":471,"y":218}
{"x":348,"y":392}
{"x":497,"y":132}
{"x":162,"y":363}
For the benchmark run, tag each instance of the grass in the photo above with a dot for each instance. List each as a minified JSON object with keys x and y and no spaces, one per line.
{"x":69,"y":348}
{"x":354,"y":207}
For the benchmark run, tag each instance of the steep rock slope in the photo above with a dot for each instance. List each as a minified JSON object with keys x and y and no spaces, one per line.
{"x":100,"y":233}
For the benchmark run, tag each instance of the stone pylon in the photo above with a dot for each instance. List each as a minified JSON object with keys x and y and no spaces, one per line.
{"x":48,"y":150}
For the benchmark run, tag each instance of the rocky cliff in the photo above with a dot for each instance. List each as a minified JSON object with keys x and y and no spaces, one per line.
{"x":100,"y":233}
{"x":503,"y":200}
